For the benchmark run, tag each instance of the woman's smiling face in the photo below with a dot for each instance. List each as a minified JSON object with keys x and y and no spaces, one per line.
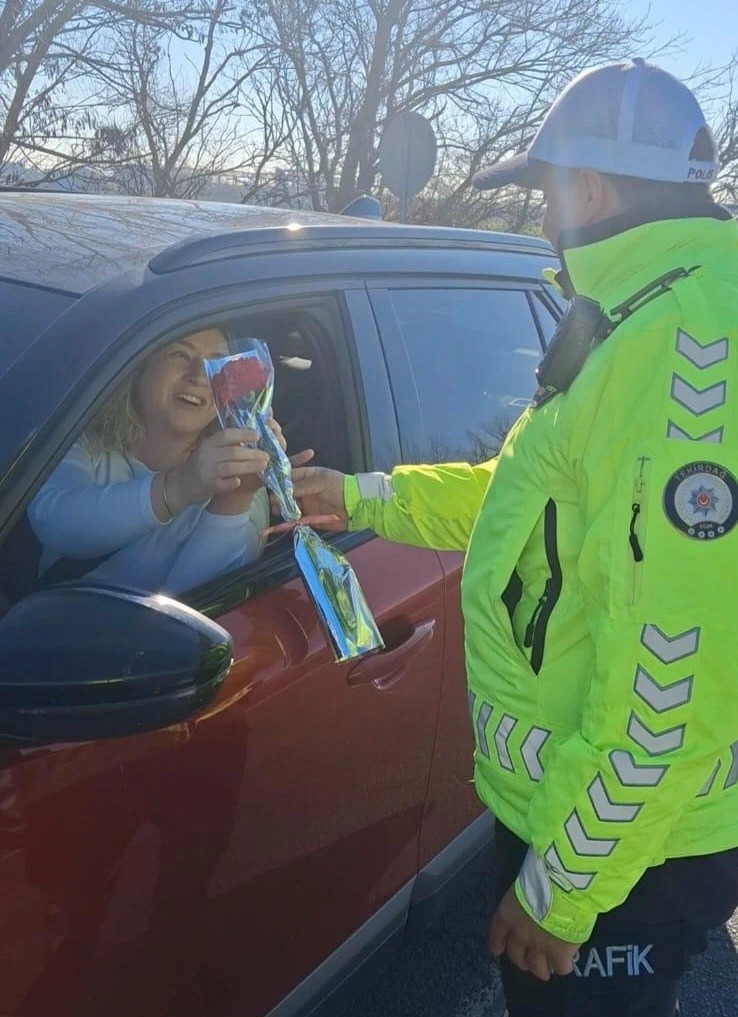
{"x":172,"y":394}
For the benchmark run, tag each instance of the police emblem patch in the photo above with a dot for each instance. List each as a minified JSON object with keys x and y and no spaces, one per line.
{"x":701,"y":500}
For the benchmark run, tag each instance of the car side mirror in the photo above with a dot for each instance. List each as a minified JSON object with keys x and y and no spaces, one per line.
{"x":82,"y":661}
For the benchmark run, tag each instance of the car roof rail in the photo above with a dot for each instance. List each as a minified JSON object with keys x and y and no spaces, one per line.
{"x":266,"y":240}
{"x":363,"y":207}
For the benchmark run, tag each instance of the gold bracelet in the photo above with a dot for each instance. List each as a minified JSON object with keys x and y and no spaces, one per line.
{"x":167,"y":506}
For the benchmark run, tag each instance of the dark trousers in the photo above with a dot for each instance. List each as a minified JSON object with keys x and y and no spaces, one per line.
{"x":638,"y":952}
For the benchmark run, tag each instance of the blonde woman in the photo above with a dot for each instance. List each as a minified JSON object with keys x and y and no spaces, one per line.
{"x":154,"y":495}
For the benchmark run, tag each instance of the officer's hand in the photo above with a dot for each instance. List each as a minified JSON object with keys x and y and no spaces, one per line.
{"x":527,"y":945}
{"x":320,"y":494}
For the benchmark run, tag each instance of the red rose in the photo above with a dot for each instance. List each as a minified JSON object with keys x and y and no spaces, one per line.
{"x":238,"y":378}
{"x":219,"y":385}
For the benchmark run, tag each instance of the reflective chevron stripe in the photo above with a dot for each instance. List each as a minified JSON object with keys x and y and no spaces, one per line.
{"x":732,"y":778}
{"x":655,"y":744}
{"x":629,"y":773}
{"x":471,"y":699}
{"x":697,"y":400}
{"x":605,"y":808}
{"x":698,"y":355}
{"x":502,"y":736}
{"x":632,"y":774}
{"x":713,"y":437}
{"x":564,"y":878}
{"x":531,"y":751}
{"x":485,"y":712}
{"x":707,"y":786}
{"x":662,"y":697}
{"x":536,"y":885}
{"x":667,"y":649}
{"x":584,"y":846}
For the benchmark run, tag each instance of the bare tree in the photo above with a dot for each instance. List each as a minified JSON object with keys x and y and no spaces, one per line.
{"x":178,"y":117}
{"x":290,"y":97}
{"x":726,"y":134}
{"x":26,"y":23}
{"x":483,"y":70}
{"x":450,"y":200}
{"x":47,"y":51}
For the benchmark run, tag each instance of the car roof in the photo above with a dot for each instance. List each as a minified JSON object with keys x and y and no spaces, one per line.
{"x":73,"y":242}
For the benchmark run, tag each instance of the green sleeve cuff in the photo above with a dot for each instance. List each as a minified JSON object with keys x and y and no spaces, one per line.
{"x":351,"y":495}
{"x":563,"y":919}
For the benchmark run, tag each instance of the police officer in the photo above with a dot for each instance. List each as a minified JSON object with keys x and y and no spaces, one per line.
{"x":602,"y":551}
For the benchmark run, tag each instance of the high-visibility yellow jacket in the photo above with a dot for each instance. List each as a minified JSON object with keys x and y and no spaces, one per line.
{"x":605,"y":701}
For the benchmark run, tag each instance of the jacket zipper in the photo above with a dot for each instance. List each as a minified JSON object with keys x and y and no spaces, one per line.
{"x":531,"y":626}
{"x":535,"y":633}
{"x":636,"y":529}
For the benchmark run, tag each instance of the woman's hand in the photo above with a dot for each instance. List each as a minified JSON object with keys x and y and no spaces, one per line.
{"x":236,"y":502}
{"x":222,"y":464}
{"x":225,"y":470}
{"x":276,"y":430}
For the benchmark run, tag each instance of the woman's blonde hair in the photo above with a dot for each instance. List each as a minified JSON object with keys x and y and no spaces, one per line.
{"x":117,"y":426}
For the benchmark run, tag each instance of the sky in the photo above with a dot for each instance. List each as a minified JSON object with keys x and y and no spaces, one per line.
{"x":711,"y":25}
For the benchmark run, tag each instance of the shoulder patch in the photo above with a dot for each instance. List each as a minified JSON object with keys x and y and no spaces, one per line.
{"x":701,"y":500}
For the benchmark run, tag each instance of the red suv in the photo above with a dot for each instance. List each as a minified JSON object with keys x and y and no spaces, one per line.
{"x":200,"y":812}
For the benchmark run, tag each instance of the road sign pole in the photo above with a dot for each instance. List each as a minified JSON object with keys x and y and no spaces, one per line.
{"x":404,"y":201}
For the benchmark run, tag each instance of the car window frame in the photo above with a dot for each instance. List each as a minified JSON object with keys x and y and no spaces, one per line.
{"x":365,"y":359}
{"x":407,"y":401}
{"x":86,"y":338}
{"x":552,"y":299}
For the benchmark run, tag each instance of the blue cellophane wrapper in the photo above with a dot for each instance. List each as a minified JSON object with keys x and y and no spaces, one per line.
{"x":243,"y":386}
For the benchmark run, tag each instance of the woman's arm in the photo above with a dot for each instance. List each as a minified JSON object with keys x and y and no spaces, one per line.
{"x":218,"y":544}
{"x":75,"y":517}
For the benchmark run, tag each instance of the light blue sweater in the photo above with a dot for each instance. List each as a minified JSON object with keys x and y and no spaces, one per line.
{"x":101,"y":505}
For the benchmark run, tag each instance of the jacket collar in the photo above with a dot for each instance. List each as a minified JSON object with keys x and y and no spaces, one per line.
{"x":610,"y":260}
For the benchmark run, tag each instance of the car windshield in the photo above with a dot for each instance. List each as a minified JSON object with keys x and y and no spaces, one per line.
{"x":26,"y":312}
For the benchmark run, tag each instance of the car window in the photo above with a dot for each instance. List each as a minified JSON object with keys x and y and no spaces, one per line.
{"x":99,"y":514}
{"x":473,"y":353}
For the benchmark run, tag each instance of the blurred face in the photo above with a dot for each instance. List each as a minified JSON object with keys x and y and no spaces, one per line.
{"x":563,"y":205}
{"x":574,"y":199}
{"x":172,"y":393}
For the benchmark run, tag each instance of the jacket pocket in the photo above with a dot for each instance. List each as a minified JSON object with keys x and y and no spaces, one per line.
{"x":637,"y":529}
{"x":535,"y":633}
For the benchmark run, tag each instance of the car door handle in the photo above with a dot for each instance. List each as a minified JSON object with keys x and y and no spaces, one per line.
{"x":387,"y":667}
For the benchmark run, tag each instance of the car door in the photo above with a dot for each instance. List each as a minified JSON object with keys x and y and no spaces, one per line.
{"x":214,"y":866}
{"x":334,"y":761}
{"x":462,"y":355}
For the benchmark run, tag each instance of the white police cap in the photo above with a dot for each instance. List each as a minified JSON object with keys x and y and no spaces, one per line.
{"x":629,"y":119}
